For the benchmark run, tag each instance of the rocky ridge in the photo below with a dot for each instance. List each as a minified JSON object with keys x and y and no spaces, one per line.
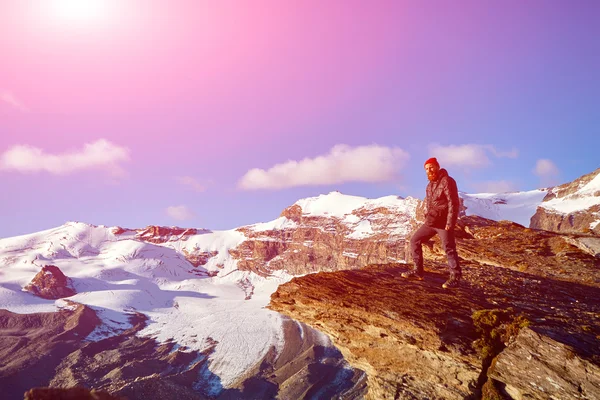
{"x":415,"y":340}
{"x":304,"y":242}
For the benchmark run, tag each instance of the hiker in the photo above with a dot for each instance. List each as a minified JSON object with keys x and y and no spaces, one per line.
{"x":441,"y":212}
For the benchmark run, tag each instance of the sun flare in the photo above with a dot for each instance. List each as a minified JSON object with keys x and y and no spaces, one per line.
{"x":80,"y":12}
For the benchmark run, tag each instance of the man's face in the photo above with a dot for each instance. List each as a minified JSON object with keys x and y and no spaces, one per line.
{"x":432,"y":170}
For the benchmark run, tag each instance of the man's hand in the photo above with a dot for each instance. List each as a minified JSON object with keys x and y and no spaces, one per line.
{"x":448,"y":228}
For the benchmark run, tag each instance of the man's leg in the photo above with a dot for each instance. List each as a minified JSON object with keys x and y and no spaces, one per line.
{"x":449,"y":244}
{"x":422,"y":234}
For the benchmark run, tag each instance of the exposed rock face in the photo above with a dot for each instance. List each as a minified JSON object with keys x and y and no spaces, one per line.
{"x":415,"y":340}
{"x":162,"y":234}
{"x":576,"y":222}
{"x":306,"y":243}
{"x":588,"y":244}
{"x":200,"y":258}
{"x":571,"y":208}
{"x":117,"y":230}
{"x":50,"y":283}
{"x":559,"y":372}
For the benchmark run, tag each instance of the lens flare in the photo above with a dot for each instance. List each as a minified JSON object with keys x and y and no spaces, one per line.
{"x":81,"y":13}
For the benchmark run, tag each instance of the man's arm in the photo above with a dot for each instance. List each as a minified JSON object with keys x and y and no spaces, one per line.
{"x":451,"y":193}
{"x":426,"y":202}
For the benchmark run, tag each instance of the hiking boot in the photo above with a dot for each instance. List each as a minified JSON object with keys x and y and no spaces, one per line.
{"x":413,"y":274}
{"x":452,"y":282}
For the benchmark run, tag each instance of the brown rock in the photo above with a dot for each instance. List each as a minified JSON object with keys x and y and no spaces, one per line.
{"x":556,"y":370}
{"x":416,"y":340}
{"x":50,"y":283}
{"x":293,"y":213}
{"x":513,"y":246}
{"x":577,"y":222}
{"x":588,"y":244}
{"x":162,"y":234}
{"x":117,"y":230}
{"x":199,"y":258}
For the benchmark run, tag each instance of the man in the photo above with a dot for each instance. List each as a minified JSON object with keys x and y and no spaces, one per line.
{"x":441,"y":212}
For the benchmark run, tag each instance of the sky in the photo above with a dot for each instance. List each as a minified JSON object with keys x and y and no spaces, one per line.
{"x":220,"y":114}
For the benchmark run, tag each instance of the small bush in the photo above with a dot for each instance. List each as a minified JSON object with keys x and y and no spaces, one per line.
{"x":498,"y":328}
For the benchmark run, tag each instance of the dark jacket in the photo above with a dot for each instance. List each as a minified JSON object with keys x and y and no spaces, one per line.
{"x":441,"y":201}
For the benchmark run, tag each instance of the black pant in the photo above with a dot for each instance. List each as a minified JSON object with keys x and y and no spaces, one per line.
{"x":423,"y":234}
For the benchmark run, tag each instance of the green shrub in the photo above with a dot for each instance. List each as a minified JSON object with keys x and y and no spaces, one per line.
{"x":497,"y":328}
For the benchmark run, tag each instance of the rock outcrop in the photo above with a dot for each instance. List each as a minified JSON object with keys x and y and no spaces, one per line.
{"x":50,"y":283}
{"x":162,"y":234}
{"x":559,"y":372}
{"x":583,"y":222}
{"x":415,"y":340}
{"x":199,"y":258}
{"x":510,"y":245}
{"x":571,"y":208}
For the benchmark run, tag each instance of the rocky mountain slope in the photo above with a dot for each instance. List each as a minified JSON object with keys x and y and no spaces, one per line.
{"x":573,"y":207}
{"x":518,"y":327}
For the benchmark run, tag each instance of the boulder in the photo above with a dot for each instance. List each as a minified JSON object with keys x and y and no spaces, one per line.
{"x":554,"y":370}
{"x":50,"y":283}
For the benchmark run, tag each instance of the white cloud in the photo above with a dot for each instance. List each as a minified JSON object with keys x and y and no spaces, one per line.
{"x":180,"y":213}
{"x":545,"y":168}
{"x":513,"y":153}
{"x":343,"y":163}
{"x":8,"y":98}
{"x":547,"y":171}
{"x":101,"y":154}
{"x":191,"y":182}
{"x":495,"y":187}
{"x":468,"y":155}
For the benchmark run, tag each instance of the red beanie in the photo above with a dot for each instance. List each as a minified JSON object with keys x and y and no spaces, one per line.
{"x":432,"y":160}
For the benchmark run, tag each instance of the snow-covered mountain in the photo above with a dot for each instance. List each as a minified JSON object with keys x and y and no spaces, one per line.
{"x":117,"y":274}
{"x":208,"y":289}
{"x":573,"y":207}
{"x":203,"y":289}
